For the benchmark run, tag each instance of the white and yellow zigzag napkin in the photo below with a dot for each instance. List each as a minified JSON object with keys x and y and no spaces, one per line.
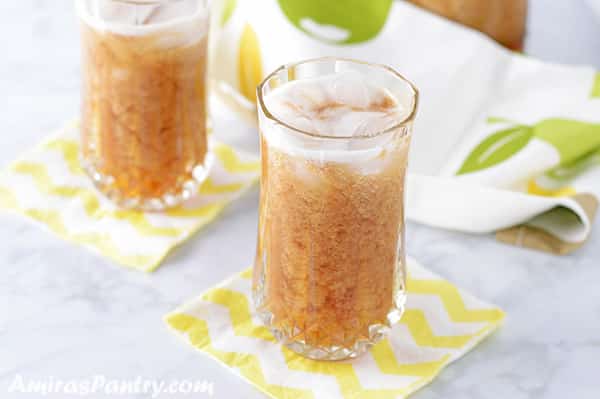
{"x":441,"y":323}
{"x":48,"y":185}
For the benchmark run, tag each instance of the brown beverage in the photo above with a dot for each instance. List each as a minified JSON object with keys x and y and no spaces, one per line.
{"x":503,"y":20}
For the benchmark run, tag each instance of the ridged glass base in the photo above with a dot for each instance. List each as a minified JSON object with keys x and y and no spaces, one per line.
{"x":293,"y":337}
{"x":377,"y":332}
{"x":171,"y":199}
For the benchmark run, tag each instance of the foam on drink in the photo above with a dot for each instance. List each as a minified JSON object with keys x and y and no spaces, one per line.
{"x":184,"y":18}
{"x":341,"y":105}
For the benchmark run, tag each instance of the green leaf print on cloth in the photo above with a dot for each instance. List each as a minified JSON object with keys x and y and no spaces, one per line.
{"x":228,"y":8}
{"x":339,"y":21}
{"x":569,"y":171}
{"x":572,"y":139}
{"x":595,"y":93}
{"x":497,"y":148}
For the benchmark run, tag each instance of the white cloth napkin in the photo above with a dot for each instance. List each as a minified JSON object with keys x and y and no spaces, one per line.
{"x":503,"y":143}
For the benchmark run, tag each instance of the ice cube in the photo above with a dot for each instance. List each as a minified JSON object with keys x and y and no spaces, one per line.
{"x":349,"y":88}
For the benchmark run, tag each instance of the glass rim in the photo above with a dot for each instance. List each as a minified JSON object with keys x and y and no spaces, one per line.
{"x":84,"y":13}
{"x":410,"y":117}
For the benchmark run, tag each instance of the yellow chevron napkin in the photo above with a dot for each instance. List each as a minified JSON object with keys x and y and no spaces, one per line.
{"x":441,"y":323}
{"x":48,"y":185}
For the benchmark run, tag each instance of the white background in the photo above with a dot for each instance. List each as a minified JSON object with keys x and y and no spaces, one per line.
{"x":67,"y":313}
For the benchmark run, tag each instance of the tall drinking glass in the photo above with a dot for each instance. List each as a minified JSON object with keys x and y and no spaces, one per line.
{"x":329,"y":274}
{"x":144,"y":91}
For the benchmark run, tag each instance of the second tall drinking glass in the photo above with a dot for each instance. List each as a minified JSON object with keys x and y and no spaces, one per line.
{"x":329,"y":275}
{"x":144,"y":102}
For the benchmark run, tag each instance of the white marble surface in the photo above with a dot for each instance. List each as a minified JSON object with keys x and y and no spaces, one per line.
{"x":67,"y":313}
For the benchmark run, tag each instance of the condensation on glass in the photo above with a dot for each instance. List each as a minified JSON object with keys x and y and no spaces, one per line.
{"x":329,"y":273}
{"x":144,"y":99}
{"x":503,"y":20}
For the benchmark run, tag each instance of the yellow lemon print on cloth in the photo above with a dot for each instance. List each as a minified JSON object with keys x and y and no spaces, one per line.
{"x":249,"y":63}
{"x":534,"y":188}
